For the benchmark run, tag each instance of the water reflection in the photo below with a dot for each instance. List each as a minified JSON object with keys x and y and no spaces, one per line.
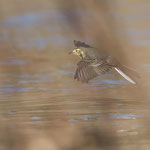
{"x":13,"y":61}
{"x":40,"y":102}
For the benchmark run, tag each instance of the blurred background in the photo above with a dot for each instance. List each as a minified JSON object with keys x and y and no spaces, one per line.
{"x":41,"y":106}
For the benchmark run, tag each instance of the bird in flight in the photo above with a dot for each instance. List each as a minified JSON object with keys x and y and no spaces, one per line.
{"x":94,"y":62}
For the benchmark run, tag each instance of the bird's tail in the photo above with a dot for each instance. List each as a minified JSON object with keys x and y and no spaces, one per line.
{"x":125,"y":76}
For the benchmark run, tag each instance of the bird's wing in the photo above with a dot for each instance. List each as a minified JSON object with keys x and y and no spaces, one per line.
{"x":101,"y":66}
{"x":81,"y":44}
{"x":88,"y":70}
{"x":84,"y":71}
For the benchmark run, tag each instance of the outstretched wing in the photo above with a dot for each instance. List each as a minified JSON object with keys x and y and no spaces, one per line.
{"x":84,"y":72}
{"x":81,"y":44}
{"x":88,"y":70}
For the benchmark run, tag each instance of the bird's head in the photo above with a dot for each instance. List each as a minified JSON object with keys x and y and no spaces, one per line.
{"x":78,"y":52}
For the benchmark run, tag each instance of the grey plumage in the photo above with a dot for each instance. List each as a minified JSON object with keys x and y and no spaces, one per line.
{"x":88,"y":70}
{"x":95,"y":63}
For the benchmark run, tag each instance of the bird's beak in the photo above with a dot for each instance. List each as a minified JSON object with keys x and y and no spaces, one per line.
{"x":70,"y":52}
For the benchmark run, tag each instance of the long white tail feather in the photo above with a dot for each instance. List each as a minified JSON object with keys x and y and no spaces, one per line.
{"x":124,"y":75}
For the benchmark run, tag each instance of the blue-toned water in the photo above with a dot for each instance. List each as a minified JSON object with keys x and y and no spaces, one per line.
{"x":41,"y":103}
